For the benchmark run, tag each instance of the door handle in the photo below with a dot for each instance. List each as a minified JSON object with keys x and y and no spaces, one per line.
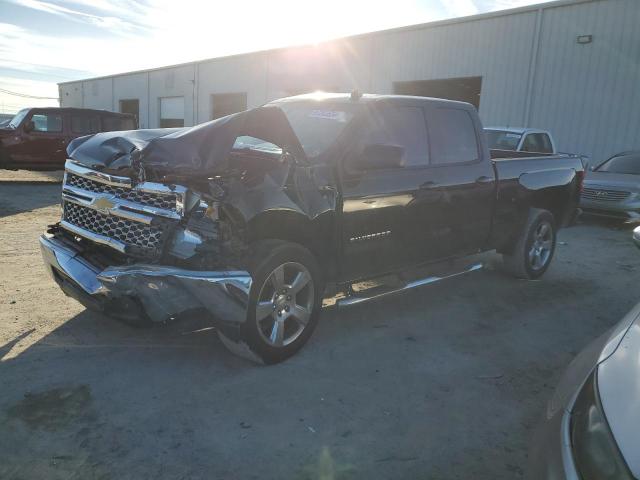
{"x":484,"y":179}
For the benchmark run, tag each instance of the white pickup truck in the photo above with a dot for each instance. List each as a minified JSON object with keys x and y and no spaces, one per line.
{"x":518,"y":139}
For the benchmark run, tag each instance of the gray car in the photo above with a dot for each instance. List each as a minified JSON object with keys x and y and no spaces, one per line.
{"x":591,"y":427}
{"x":612,"y":189}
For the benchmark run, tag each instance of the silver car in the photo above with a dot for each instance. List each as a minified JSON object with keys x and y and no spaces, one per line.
{"x":591,"y":427}
{"x":612,"y":189}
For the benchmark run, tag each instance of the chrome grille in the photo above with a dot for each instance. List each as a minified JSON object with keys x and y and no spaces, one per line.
{"x":114,"y":211}
{"x":120,"y":229}
{"x":604,"y":195}
{"x":157,"y":200}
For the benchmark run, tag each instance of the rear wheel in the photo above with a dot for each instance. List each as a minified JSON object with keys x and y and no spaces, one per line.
{"x":284,"y":302}
{"x":535,"y":247}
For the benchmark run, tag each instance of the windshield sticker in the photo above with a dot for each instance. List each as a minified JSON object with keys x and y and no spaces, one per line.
{"x":335,"y":115}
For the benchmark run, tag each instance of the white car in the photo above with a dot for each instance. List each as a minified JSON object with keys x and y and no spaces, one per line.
{"x":519,"y":139}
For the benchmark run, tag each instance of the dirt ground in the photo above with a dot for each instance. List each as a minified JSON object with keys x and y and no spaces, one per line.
{"x":439,"y":383}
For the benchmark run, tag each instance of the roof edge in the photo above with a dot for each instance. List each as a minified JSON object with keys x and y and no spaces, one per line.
{"x":418,"y":26}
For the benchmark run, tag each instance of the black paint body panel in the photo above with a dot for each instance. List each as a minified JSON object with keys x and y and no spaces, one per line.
{"x":363,"y":223}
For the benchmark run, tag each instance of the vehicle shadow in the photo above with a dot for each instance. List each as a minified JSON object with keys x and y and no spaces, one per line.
{"x":17,"y":198}
{"x":610,"y":223}
{"x":445,"y":381}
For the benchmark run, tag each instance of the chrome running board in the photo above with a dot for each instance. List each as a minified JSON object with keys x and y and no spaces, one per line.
{"x":361,"y":297}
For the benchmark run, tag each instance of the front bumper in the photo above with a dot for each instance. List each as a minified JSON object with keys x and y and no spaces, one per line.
{"x":158,"y":292}
{"x":625,"y":210}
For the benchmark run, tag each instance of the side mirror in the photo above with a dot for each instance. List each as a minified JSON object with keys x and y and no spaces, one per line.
{"x":29,"y":126}
{"x":636,"y":236}
{"x":379,"y":157}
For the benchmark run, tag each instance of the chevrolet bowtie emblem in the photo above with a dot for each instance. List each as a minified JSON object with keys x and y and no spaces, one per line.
{"x":103,"y":204}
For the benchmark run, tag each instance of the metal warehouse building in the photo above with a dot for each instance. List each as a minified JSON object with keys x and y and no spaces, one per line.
{"x":570,"y":66}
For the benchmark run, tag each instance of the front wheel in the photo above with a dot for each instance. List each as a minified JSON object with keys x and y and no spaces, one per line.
{"x":535,"y":247}
{"x":284,"y":302}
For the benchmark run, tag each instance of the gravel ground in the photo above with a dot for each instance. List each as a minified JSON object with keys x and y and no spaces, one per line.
{"x":442,"y":382}
{"x":26,"y":176}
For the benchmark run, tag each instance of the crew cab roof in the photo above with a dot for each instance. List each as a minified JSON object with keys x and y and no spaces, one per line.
{"x":518,"y":130}
{"x":79,"y":110}
{"x":407,"y":100}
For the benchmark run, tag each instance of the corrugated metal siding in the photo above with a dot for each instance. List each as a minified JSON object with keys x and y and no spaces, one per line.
{"x":71,"y":94}
{"x":98,"y":94}
{"x":587,"y":95}
{"x":172,"y":82}
{"x":229,"y":75}
{"x":132,"y":87}
{"x":497,"y":49}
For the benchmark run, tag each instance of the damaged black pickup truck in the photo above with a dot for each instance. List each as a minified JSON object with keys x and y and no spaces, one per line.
{"x":247,"y":218}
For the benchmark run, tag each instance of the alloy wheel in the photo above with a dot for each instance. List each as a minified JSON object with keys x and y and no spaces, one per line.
{"x":540,"y":251}
{"x":285,"y":304}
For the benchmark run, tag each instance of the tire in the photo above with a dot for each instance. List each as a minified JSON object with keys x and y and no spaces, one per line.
{"x":284,"y":302}
{"x":534,"y":249}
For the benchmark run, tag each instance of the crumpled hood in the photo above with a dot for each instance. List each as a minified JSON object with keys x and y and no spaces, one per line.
{"x":200,"y":150}
{"x":112,"y":150}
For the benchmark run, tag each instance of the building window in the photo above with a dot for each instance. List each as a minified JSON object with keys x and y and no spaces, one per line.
{"x":171,"y":112}
{"x":131,"y":106}
{"x":223,"y":104}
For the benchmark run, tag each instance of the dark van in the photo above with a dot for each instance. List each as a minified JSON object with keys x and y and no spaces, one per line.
{"x":37,"y":138}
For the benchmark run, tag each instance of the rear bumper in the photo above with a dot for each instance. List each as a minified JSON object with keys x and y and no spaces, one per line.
{"x":155,"y":291}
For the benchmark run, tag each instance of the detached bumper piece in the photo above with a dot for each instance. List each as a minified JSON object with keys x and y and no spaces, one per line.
{"x":161,"y":293}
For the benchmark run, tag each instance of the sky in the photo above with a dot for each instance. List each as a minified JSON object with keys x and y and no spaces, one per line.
{"x":44,"y":42}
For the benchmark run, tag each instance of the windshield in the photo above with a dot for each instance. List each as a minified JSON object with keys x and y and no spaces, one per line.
{"x":622,"y":164}
{"x":503,"y":140}
{"x":15,"y":121}
{"x":317,"y":126}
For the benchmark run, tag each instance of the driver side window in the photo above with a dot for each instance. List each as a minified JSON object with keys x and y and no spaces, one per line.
{"x":47,"y":122}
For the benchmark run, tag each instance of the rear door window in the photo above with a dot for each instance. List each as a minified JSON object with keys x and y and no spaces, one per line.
{"x":453,"y":136}
{"x":85,"y":124}
{"x":502,"y":140}
{"x":400,"y":126}
{"x":47,"y":122}
{"x":114,"y":124}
